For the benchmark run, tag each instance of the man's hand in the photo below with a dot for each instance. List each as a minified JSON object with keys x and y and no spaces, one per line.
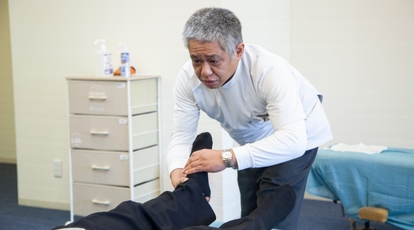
{"x":205,"y":160}
{"x":177,"y":177}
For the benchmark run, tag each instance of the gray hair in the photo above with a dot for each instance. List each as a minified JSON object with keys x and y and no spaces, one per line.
{"x":214,"y":25}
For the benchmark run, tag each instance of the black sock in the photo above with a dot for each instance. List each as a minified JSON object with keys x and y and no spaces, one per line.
{"x":202,"y":141}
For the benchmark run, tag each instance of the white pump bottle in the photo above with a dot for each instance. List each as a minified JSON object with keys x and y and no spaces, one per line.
{"x":103,"y":61}
{"x":125,"y":65}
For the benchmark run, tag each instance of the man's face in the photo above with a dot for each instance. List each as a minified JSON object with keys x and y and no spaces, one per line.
{"x":213,"y":66}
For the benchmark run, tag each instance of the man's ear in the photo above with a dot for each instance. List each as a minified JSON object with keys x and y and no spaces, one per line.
{"x":239,"y":50}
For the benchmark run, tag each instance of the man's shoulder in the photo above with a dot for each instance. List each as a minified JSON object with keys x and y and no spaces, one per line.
{"x":260,"y":60}
{"x":261,"y":54}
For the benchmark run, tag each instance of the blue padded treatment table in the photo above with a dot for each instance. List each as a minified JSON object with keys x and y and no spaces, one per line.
{"x":356,"y":179}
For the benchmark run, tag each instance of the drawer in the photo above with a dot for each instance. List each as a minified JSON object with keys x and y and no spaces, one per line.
{"x":146,"y":164}
{"x":111,"y":97}
{"x":89,"y":198}
{"x":112,"y":168}
{"x":147,"y":191}
{"x":112,"y":133}
{"x":98,"y":167}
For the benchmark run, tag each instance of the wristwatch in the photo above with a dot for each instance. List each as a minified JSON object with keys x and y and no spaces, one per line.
{"x":227,"y":157}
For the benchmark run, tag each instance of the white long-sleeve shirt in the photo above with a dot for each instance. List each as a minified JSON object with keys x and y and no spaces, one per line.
{"x":267,"y":107}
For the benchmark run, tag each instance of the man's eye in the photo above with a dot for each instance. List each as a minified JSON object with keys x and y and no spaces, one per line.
{"x":214,"y":62}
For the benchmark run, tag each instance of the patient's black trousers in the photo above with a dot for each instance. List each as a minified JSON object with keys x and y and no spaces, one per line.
{"x":185,"y":206}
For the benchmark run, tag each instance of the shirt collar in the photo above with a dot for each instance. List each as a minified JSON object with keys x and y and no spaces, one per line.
{"x":235,"y":77}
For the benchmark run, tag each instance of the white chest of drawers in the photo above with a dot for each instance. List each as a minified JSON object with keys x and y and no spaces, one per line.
{"x":114,"y":141}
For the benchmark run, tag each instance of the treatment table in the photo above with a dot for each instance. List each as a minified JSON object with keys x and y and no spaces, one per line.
{"x":384,"y":180}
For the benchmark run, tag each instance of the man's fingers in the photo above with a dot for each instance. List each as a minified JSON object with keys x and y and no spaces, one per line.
{"x":190,"y":169}
{"x":181,"y":180}
{"x":191,"y":159}
{"x":192,"y":165}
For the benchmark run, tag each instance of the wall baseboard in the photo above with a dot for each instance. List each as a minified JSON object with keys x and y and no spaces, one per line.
{"x":44,"y":204}
{"x":8,"y":160}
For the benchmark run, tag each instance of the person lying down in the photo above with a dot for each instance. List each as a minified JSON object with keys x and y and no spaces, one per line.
{"x":187,"y":207}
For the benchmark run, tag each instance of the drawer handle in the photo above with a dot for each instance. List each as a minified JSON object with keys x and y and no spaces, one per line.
{"x":103,"y":98}
{"x":106,"y":203}
{"x":104,"y":168}
{"x":99,"y":132}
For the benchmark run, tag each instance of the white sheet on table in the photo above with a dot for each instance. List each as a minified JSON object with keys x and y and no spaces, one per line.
{"x":362,"y":148}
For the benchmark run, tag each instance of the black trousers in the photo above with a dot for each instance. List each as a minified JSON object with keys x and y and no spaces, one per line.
{"x":256,"y":184}
{"x":184,"y":207}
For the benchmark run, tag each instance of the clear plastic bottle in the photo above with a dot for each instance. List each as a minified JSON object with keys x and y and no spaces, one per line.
{"x":125,"y":65}
{"x":103,"y":61}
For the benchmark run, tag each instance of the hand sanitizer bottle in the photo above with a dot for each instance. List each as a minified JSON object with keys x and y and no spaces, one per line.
{"x":125,"y":65}
{"x":103,"y":61}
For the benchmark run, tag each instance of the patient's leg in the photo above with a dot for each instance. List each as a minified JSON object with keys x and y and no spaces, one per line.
{"x":185,"y":206}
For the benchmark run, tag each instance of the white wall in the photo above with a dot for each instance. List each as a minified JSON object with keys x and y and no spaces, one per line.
{"x":360,"y":55}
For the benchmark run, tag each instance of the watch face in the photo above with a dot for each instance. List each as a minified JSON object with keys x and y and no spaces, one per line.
{"x":227,"y":154}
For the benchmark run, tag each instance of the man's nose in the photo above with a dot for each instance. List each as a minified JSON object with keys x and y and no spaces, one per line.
{"x":205,"y":69}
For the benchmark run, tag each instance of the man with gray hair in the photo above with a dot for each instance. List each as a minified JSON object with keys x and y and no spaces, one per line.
{"x":266,"y":105}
